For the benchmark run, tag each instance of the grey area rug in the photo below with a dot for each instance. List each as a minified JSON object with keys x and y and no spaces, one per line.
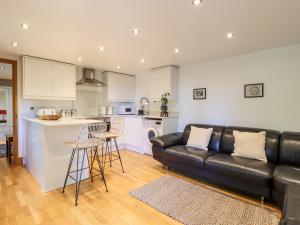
{"x":192,"y":204}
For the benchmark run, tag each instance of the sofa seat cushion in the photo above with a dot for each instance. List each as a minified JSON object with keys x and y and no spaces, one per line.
{"x":242,"y":169}
{"x":187,"y":155}
{"x":284,"y":174}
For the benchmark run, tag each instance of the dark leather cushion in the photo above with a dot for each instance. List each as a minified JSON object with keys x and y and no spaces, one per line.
{"x":186,"y":155}
{"x":167,"y":140}
{"x":215,"y":140}
{"x":291,"y":210}
{"x":284,"y":174}
{"x":272,"y":141}
{"x":289,"y":152}
{"x":242,"y":169}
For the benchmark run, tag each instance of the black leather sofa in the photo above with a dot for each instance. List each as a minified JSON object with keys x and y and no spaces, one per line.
{"x":256,"y":178}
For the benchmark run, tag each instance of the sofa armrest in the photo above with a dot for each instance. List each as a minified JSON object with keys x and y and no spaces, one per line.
{"x":291,"y":208}
{"x":167,"y":140}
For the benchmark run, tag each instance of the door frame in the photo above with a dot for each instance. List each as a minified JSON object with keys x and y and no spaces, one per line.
{"x":14,"y":63}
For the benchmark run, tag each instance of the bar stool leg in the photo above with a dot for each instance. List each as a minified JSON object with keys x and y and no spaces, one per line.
{"x":78,"y":181}
{"x":102,"y":155}
{"x":100,"y":168}
{"x":116,"y":144}
{"x":91,"y":163}
{"x":110,"y":153}
{"x":69,"y":168}
{"x":106,"y":152}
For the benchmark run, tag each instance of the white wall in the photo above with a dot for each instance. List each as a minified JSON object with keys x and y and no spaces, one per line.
{"x":278,"y":69}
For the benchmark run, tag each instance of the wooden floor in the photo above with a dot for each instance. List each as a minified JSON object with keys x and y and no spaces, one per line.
{"x":22,"y":201}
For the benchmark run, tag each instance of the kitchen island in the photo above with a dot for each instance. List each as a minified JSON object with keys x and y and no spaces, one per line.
{"x":46,"y":155}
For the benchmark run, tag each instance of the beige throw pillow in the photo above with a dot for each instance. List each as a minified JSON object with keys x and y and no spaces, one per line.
{"x":199,"y":137}
{"x":250,"y":145}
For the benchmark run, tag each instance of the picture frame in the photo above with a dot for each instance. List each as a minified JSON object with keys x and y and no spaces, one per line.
{"x":199,"y":93}
{"x":254,"y":90}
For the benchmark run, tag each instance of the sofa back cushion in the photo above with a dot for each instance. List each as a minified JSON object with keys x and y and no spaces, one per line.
{"x":272,"y":141}
{"x":215,"y":139}
{"x":289,"y":151}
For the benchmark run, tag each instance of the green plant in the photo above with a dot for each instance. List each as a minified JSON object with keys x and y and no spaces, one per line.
{"x":164,"y":102}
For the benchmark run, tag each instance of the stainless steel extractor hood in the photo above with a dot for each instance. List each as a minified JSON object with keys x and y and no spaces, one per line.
{"x":89,"y":78}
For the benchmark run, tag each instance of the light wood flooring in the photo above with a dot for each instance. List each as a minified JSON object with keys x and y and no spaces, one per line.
{"x":22,"y":201}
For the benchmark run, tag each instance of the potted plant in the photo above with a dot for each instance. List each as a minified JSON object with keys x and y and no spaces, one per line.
{"x":164,"y":104}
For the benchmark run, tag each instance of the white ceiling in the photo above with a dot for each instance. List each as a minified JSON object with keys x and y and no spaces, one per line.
{"x":66,"y":29}
{"x":5,"y":71}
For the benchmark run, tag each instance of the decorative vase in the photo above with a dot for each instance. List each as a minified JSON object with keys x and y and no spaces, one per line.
{"x":164,"y":108}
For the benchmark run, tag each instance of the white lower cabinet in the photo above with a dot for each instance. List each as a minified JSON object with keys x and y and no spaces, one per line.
{"x":132,"y":138}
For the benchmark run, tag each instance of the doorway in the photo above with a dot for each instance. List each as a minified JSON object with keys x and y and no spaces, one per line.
{"x":8,"y":111}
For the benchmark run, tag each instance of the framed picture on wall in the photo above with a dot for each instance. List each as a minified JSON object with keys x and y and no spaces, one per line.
{"x":199,"y":93}
{"x":254,"y":90}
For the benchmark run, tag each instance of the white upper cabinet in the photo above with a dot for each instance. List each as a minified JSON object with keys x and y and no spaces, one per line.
{"x":37,"y":78}
{"x":45,"y":79}
{"x":120,"y":87}
{"x":162,"y":80}
{"x":64,"y":81}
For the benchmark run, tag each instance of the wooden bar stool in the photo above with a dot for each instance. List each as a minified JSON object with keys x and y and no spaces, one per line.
{"x":86,"y":141}
{"x":115,"y":131}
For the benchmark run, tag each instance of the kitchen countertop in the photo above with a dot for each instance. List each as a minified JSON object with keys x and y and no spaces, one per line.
{"x":154,"y":116}
{"x":61,"y":122}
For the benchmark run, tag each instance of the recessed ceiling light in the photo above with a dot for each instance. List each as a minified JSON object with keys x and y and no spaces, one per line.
{"x":24,"y":26}
{"x":176,"y":50}
{"x":118,"y":67}
{"x":142,"y":60}
{"x":197,"y":2}
{"x":135,"y":31}
{"x":101,"y":48}
{"x":229,"y":35}
{"x":79,"y":58}
{"x":15,"y":44}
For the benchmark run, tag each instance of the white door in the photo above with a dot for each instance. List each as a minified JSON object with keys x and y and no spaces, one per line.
{"x":64,"y":81}
{"x":37,"y":78}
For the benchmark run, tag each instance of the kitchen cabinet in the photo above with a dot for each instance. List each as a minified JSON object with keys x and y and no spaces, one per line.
{"x":64,"y":81}
{"x":133,"y":134}
{"x":46,"y":79}
{"x":120,"y":87}
{"x":162,"y":80}
{"x":37,"y":78}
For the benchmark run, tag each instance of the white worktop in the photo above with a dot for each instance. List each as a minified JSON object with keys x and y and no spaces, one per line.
{"x":151,"y":116}
{"x":61,"y":122}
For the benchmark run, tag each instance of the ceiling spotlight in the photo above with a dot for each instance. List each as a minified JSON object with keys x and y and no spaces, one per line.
{"x":24,"y":26}
{"x":229,"y":35}
{"x":135,"y":31}
{"x":176,"y":50}
{"x":79,"y":59}
{"x":142,"y":60}
{"x":101,"y":48}
{"x":118,"y":67}
{"x":197,"y":2}
{"x":15,"y":44}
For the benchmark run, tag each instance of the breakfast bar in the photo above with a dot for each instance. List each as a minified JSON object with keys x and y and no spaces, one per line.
{"x":47,"y":157}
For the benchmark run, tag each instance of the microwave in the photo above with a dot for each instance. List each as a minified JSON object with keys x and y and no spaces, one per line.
{"x":126,"y":110}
